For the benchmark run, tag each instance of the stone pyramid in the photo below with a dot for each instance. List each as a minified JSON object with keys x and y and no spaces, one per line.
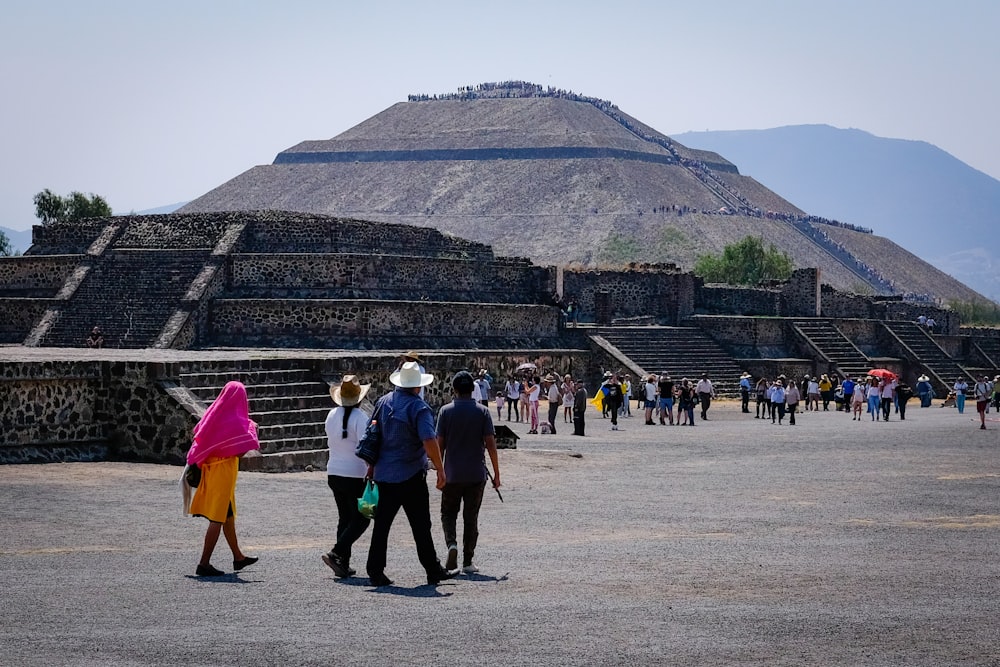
{"x":562,"y":179}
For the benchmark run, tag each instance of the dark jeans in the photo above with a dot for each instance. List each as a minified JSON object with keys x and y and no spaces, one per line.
{"x":902,"y":410}
{"x":578,"y":422}
{"x":886,"y":408}
{"x":706,"y":402}
{"x":762,"y":406}
{"x":512,"y":405}
{"x":745,"y":399}
{"x":413,"y":497}
{"x":351,"y":524}
{"x":778,"y":409}
{"x":469,"y":497}
{"x":791,"y":413}
{"x":553,"y":413}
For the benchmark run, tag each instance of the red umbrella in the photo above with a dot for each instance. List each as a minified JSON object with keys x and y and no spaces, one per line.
{"x":883,"y":373}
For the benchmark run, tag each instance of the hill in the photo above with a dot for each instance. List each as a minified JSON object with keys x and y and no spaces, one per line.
{"x":935,"y":205}
{"x":20,"y":239}
{"x":559,"y":178}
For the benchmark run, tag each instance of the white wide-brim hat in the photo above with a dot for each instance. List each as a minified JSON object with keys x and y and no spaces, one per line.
{"x":409,"y":376}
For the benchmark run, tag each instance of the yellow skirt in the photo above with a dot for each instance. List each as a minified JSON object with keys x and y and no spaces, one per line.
{"x":215,"y":497}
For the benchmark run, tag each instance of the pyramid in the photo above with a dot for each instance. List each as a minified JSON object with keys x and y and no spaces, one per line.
{"x":562,"y":179}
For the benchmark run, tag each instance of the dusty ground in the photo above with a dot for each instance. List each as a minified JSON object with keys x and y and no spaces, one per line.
{"x":731,"y":543}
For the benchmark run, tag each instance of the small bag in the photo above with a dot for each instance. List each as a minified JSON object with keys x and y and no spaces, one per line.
{"x":192,"y":475}
{"x":368,"y":502}
{"x":371,"y":442}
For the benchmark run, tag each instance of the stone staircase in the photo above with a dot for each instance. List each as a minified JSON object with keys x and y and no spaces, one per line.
{"x":824,"y":336}
{"x":130,"y":294}
{"x":927,"y":354}
{"x":290,"y":406}
{"x":680,"y":351}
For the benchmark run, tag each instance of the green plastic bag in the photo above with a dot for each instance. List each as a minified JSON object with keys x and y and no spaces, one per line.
{"x":368,"y":502}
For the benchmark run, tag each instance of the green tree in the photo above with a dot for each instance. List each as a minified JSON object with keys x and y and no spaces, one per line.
{"x":746,"y":262}
{"x":50,"y":207}
{"x":979,"y":311}
{"x":6,"y":249}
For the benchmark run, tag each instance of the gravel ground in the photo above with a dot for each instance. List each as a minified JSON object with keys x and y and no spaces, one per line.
{"x":735,"y":542}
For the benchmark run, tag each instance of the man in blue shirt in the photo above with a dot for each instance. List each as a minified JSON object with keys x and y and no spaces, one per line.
{"x":408,"y":439}
{"x":848,"y":385}
{"x":464,"y":429}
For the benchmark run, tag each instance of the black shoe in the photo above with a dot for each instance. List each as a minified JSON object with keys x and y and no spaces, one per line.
{"x":439,"y":575}
{"x":379,"y":579}
{"x":337,"y":564}
{"x":208,"y":571}
{"x":240,"y":564}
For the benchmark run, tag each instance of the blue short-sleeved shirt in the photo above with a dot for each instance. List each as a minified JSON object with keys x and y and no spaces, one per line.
{"x":463,"y":424}
{"x":406,"y":422}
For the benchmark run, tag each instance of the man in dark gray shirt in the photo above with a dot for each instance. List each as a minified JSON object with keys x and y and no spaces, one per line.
{"x":464,"y":430}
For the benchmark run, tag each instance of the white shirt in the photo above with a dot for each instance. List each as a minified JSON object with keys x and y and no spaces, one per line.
{"x":533,"y":394}
{"x":343,"y":462}
{"x":704,"y":387}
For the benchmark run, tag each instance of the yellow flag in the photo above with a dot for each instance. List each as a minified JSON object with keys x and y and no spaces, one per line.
{"x":598,"y":400}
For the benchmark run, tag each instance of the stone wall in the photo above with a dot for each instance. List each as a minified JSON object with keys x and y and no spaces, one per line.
{"x":36,"y":276}
{"x":718,"y":299}
{"x":124,"y":410}
{"x":66,"y":238}
{"x":323,"y":323}
{"x":844,"y":305}
{"x":18,"y":317}
{"x":370,"y":276}
{"x":661,"y":291}
{"x":284,"y":232}
{"x":747,"y":337}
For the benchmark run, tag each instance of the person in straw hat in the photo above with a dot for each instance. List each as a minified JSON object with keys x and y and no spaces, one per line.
{"x":409,"y":438}
{"x":345,"y":472}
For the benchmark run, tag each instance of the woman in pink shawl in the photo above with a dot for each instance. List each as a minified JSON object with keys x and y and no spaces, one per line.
{"x":224,"y":434}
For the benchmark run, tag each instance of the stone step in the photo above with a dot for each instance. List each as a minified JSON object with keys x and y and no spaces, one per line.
{"x":247,"y":377}
{"x":285,"y":431}
{"x":292,"y":444}
{"x":292,"y":416}
{"x":261,"y":391}
{"x":290,"y":461}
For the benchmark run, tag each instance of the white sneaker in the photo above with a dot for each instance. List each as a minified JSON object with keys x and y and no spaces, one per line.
{"x":470,"y":569}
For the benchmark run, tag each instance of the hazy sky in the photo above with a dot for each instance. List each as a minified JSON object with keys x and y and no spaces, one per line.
{"x":153,"y":103}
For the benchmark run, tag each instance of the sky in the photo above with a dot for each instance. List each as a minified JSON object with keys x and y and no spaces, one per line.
{"x":154,"y":103}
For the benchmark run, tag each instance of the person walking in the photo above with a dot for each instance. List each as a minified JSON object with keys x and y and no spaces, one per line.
{"x":580,"y":408}
{"x":665,"y":389}
{"x":745,"y":393}
{"x":553,"y":395}
{"x":568,"y":393}
{"x":903,"y":394}
{"x":464,"y":431}
{"x":778,"y":400}
{"x":961,"y":388}
{"x":409,"y":439}
{"x":887,"y":389}
{"x":982,"y":392}
{"x":649,"y":402}
{"x":534,"y":389}
{"x":706,"y":392}
{"x":612,"y":397}
{"x":792,"y":397}
{"x":513,"y":388}
{"x":925,"y":391}
{"x":223,"y":434}
{"x":762,"y":389}
{"x":345,"y":472}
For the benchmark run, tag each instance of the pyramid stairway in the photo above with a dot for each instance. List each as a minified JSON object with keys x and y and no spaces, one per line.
{"x":933,"y":360}
{"x":290,"y":406}
{"x":680,"y":351}
{"x":828,"y":340}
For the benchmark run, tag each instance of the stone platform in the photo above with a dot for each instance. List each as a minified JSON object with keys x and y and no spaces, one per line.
{"x":731,"y":543}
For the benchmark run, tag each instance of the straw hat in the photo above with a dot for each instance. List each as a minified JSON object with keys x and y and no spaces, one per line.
{"x":349,"y":391}
{"x":745,"y":375}
{"x":550,"y":378}
{"x":923,"y":378}
{"x":410,"y":354}
{"x":409,"y":376}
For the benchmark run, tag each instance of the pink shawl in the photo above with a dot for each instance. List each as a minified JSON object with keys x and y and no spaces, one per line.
{"x":226,"y":428}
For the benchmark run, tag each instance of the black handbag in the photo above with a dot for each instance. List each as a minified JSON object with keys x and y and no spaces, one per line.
{"x":192,"y":475}
{"x":371,"y":442}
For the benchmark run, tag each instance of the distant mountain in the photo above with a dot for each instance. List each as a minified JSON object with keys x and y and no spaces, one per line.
{"x":161,"y":210}
{"x":20,"y":239}
{"x":921,"y":197}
